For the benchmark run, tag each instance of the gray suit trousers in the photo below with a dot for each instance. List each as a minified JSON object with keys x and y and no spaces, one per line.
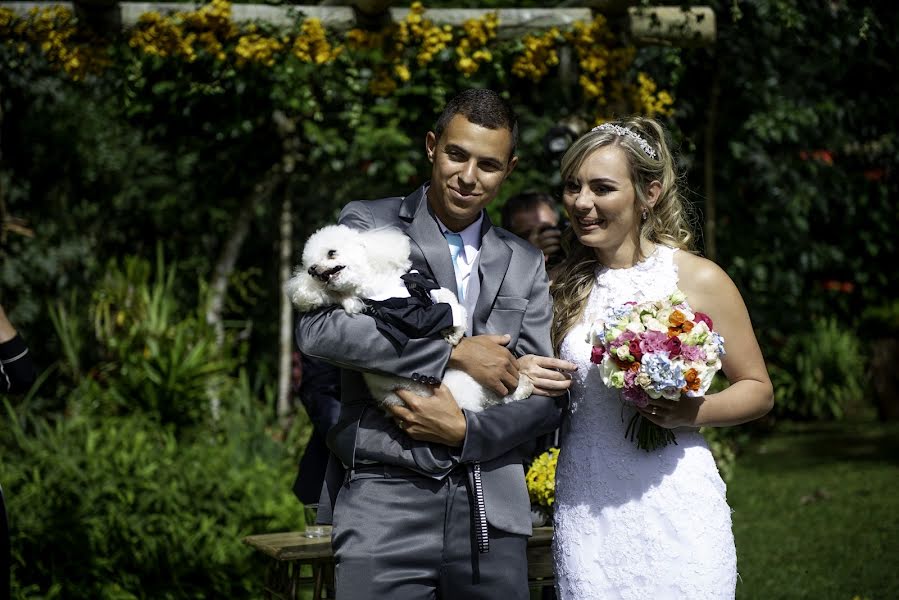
{"x":399,"y":535}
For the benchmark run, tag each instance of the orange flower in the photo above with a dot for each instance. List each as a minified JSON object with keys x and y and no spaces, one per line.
{"x":687,"y":326}
{"x":673,"y":331}
{"x":693,"y":382}
{"x":634,"y":366}
{"x":677,"y":318}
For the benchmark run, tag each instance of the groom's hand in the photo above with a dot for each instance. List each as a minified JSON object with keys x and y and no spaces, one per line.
{"x":433,"y":419}
{"x":488,"y":361}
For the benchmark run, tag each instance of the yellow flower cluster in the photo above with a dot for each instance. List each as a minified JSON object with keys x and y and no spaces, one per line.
{"x":604,"y":66}
{"x":312,"y":45}
{"x":653,"y":102}
{"x":415,"y":38}
{"x":420,"y":33}
{"x":360,"y":39}
{"x":55,"y":32}
{"x":160,"y":36}
{"x":541,"y":479}
{"x":257,"y":49}
{"x":182,"y":34}
{"x":211,"y":26}
{"x":472,"y":49}
{"x":601,"y":62}
{"x":539,"y":55}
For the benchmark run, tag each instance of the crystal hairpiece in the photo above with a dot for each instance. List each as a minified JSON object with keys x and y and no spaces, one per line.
{"x":618,"y":129}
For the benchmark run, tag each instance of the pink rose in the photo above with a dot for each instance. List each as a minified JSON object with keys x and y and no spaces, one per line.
{"x":596,"y":354}
{"x":672,"y":345}
{"x":702,"y":317}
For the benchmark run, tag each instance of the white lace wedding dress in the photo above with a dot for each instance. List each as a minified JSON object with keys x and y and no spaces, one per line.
{"x":631,"y":524}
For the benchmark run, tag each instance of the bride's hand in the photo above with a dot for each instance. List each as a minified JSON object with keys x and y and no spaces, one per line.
{"x":551,"y":376}
{"x":672,"y":413}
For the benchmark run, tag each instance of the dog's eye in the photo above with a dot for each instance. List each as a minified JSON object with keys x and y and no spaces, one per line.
{"x":332,"y":253}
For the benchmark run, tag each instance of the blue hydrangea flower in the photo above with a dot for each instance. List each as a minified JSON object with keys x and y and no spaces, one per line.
{"x":667,"y":377}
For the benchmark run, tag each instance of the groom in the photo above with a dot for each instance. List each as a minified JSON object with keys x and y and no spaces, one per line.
{"x":432,"y":500}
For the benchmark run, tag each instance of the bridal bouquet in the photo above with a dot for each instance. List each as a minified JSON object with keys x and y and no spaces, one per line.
{"x":657,"y":349}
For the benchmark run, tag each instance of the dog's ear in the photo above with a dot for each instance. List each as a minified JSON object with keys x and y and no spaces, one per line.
{"x":388,"y":249}
{"x":305,"y":292}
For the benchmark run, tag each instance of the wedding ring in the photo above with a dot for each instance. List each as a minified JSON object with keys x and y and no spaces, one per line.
{"x":401,"y":424}
{"x":653,"y":411}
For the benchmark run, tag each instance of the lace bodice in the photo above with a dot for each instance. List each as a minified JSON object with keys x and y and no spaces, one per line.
{"x":632,"y":524}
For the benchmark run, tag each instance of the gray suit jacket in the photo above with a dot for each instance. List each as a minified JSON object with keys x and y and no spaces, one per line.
{"x":514,"y":299}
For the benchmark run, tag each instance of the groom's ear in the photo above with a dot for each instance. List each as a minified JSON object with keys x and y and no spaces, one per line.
{"x":431,"y":145}
{"x":511,"y":167}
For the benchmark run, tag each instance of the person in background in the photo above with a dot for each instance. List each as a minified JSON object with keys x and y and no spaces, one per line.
{"x":319,"y":391}
{"x":532,"y":216}
{"x":17,"y":371}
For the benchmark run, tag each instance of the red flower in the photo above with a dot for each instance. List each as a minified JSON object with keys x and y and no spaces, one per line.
{"x":672,"y":345}
{"x":698,"y":316}
{"x":596,"y":354}
{"x":634,"y":347}
{"x":875,"y":174}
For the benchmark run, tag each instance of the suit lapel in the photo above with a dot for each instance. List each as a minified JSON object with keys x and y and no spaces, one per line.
{"x":426,"y":234}
{"x":493,"y":263}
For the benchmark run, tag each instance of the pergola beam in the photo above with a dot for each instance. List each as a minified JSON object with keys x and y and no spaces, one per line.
{"x":644,"y":25}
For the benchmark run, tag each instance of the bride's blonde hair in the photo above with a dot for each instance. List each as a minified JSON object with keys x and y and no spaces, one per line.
{"x":668,"y":222}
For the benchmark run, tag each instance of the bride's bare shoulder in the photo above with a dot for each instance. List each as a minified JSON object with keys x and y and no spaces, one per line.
{"x":699,"y":277}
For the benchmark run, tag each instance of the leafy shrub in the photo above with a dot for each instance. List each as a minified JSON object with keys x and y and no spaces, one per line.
{"x":822,"y":370}
{"x":119,"y":507}
{"x":147,"y":355}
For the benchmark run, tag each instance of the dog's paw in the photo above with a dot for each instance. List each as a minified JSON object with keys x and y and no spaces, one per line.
{"x":525,"y":388}
{"x":352,"y":305}
{"x":444,"y":295}
{"x":453,"y":335}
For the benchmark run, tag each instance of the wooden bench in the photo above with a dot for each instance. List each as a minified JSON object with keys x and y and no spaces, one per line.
{"x":290,"y":551}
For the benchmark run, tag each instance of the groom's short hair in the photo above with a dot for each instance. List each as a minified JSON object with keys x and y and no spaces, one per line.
{"x":482,"y":107}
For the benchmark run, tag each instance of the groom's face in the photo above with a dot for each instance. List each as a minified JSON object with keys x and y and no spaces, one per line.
{"x":469,"y":164}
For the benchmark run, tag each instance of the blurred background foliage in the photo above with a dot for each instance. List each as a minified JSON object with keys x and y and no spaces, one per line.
{"x":131,"y":165}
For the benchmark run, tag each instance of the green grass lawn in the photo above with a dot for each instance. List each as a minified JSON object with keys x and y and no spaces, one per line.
{"x":816,"y":513}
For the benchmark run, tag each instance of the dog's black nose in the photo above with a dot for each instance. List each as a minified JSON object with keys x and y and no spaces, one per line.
{"x":312,"y":271}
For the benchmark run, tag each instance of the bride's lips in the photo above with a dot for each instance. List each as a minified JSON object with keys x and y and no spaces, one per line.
{"x":587,"y":224}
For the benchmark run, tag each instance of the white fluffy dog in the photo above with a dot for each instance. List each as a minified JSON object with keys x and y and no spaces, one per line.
{"x":344,"y":266}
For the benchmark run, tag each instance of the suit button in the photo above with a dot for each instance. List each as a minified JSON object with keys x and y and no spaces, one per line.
{"x":433,"y":381}
{"x":416,"y":377}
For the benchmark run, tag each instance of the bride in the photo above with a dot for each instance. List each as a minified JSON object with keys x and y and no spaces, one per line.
{"x":632,"y":524}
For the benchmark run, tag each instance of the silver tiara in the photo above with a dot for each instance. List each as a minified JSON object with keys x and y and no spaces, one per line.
{"x":618,"y":129}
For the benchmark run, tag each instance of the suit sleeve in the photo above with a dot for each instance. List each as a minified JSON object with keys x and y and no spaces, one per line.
{"x":17,"y":371}
{"x":499,"y":429}
{"x":354,"y":342}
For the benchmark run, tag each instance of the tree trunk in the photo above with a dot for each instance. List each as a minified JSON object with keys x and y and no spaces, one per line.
{"x":224,"y":266}
{"x":285,"y":339}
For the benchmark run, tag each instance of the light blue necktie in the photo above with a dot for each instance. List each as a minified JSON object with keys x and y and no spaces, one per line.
{"x":456,"y":246}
